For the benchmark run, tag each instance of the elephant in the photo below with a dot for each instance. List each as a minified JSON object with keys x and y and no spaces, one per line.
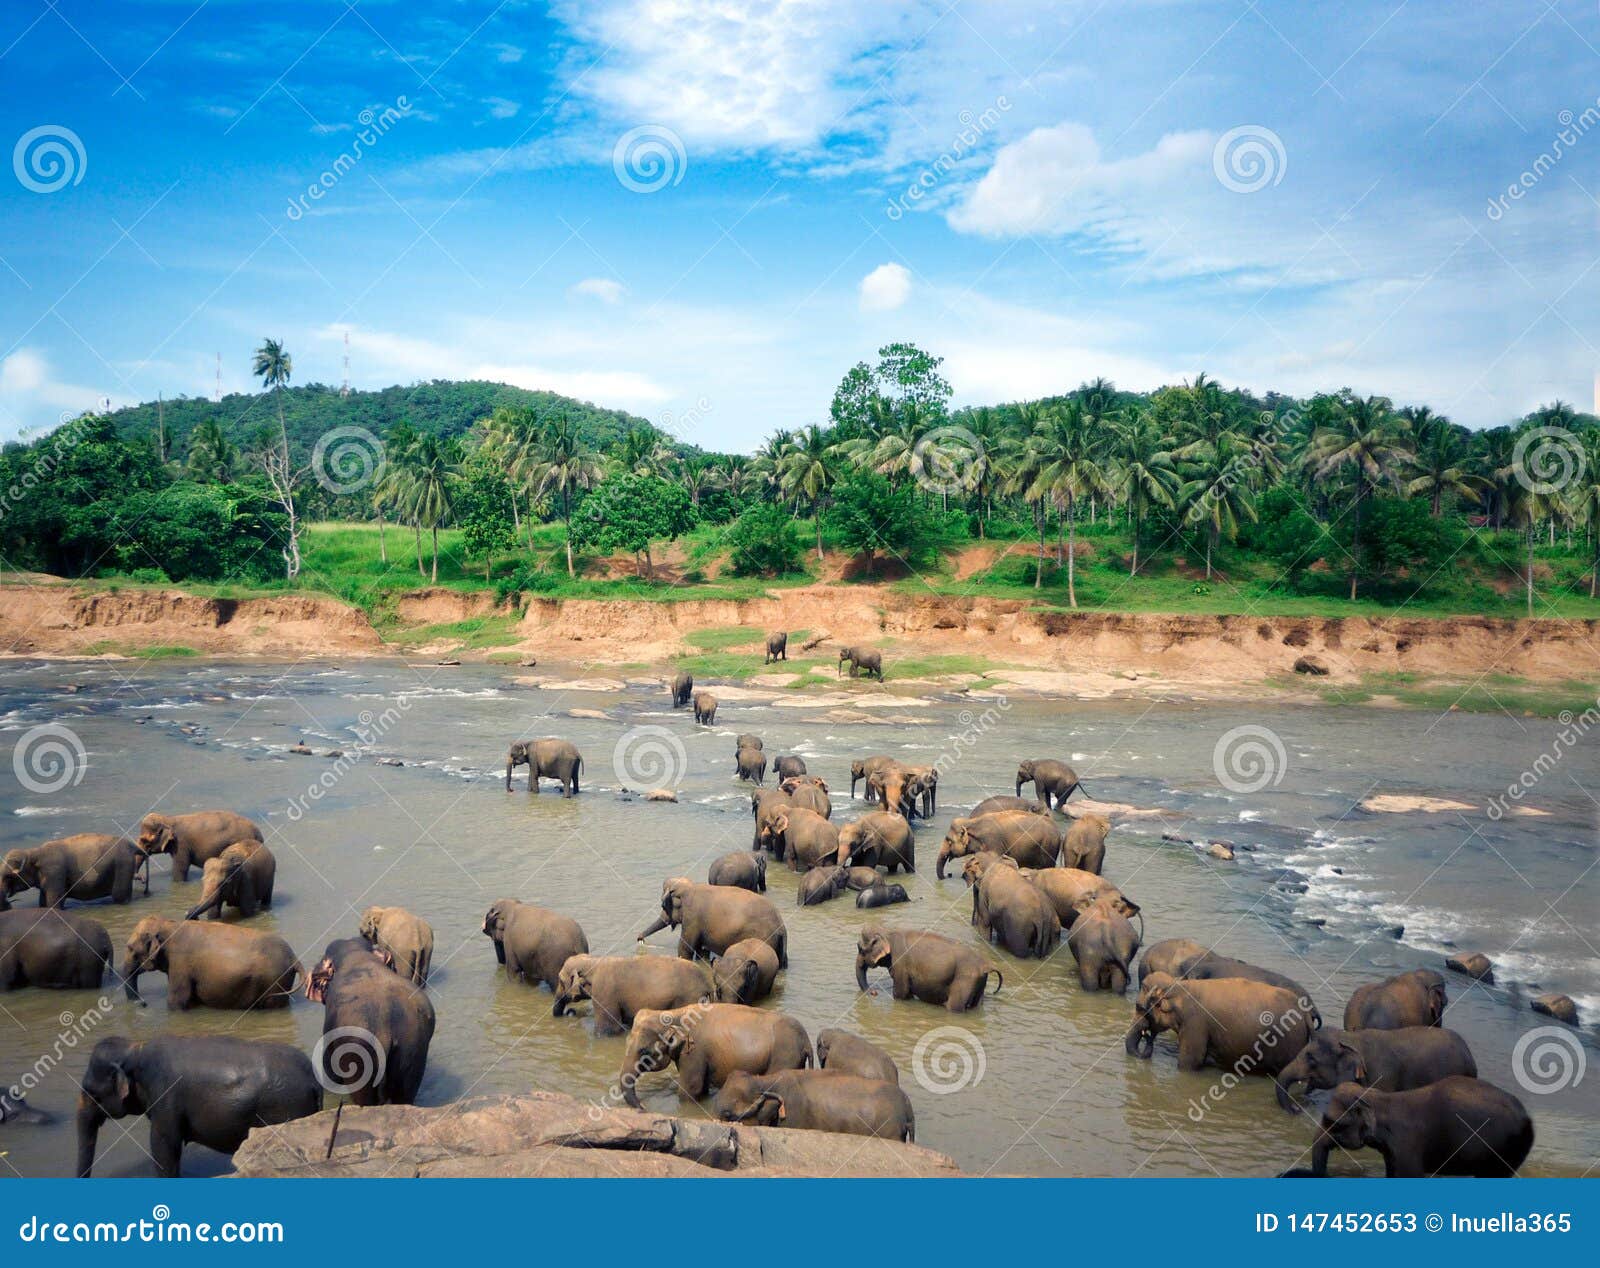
{"x":532,"y":942}
{"x":865,"y":768}
{"x":83,"y":867}
{"x":1389,"y":1060}
{"x":810,"y":793}
{"x":14,"y":1109}
{"x":821,"y":1100}
{"x":1053,"y":781}
{"x":211,"y":965}
{"x":751,"y":764}
{"x":208,"y":1089}
{"x":711,"y":918}
{"x":820,"y":884}
{"x":193,"y":839}
{"x":407,"y":939}
{"x":746,"y":869}
{"x":621,"y":985}
{"x":1172,"y":956}
{"x":926,"y":966}
{"x":1033,"y":840}
{"x":745,"y":972}
{"x":905,"y":790}
{"x":993,"y":805}
{"x":863,"y":658}
{"x":1103,"y":942}
{"x":790,"y":765}
{"x":1085,"y":844}
{"x":1064,"y":886}
{"x":809,"y":840}
{"x":862,"y":877}
{"x":546,"y":759}
{"x":844,"y":1053}
{"x":709,"y":1043}
{"x":1416,"y":998}
{"x":1209,"y":967}
{"x":882,"y":895}
{"x":879,"y":838}
{"x":705,"y":708}
{"x":1458,"y":1126}
{"x":376,"y":1026}
{"x":682,"y":687}
{"x":749,"y":740}
{"x":1243,"y":1027}
{"x":923,"y":790}
{"x":241,"y":876}
{"x":768,"y":804}
{"x":1008,"y":910}
{"x":777,"y":646}
{"x":54,"y":949}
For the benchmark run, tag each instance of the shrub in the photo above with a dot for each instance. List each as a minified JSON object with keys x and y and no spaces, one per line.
{"x":763,"y":543}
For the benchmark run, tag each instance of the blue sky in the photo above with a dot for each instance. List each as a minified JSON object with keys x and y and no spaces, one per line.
{"x":1284,"y":195}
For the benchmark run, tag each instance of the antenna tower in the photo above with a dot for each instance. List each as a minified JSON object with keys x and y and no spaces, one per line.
{"x":219,"y":378}
{"x":345,"y":389}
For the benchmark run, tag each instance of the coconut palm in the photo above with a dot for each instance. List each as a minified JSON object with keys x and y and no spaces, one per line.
{"x":211,"y":459}
{"x":1143,"y":472}
{"x":273,"y":365}
{"x":433,"y":466}
{"x":808,"y":471}
{"x":1024,"y":461}
{"x":1441,"y":458}
{"x":562,"y":465}
{"x":698,"y":473}
{"x":1069,"y":468}
{"x":1585,"y":501}
{"x":1366,"y":438}
{"x":1217,"y":495}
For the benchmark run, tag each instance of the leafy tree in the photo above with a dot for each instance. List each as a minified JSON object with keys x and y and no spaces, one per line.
{"x":870,"y":517}
{"x":763,"y":542}
{"x":628,"y":513}
{"x":1361,"y":435}
{"x":273,"y":366}
{"x":562,"y":464}
{"x":483,"y":513}
{"x":1285,"y":533}
{"x":1400,"y":534}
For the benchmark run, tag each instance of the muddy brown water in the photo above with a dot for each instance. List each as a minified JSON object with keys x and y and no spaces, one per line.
{"x":1035,"y":1082}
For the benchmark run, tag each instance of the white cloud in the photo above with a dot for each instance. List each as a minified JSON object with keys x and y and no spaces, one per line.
{"x":886,"y":288}
{"x":32,"y":397}
{"x":502,"y":108}
{"x":509,"y":54}
{"x":604,"y":289}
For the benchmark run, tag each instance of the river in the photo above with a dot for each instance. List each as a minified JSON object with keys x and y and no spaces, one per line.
{"x":1035,"y":1082}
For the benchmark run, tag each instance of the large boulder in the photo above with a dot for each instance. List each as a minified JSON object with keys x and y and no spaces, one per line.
{"x":549,"y":1134}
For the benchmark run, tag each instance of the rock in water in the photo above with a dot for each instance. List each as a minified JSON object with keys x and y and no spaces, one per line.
{"x":1473,"y":964}
{"x":661,"y":794}
{"x":300,"y":750}
{"x":1220,"y":850}
{"x":1560,"y":1007}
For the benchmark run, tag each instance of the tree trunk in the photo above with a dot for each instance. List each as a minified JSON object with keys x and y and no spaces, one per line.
{"x":435,"y":554}
{"x":416,"y":529}
{"x":383,"y":543}
{"x":1355,"y":542}
{"x":1438,"y":492}
{"x":1208,"y":554}
{"x":566,"y":516}
{"x":1134,"y":571}
{"x":1531,"y":532}
{"x":819,"y":534}
{"x":1038,"y":567}
{"x":1072,"y":561}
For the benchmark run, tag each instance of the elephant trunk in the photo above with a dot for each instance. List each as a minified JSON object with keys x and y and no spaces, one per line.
{"x":561,"y":1006}
{"x":130,"y":980}
{"x":499,"y":951}
{"x":90,"y":1116}
{"x":1140,"y":1040}
{"x":656,"y":926}
{"x":941,"y":860}
{"x":1019,"y":786}
{"x":1285,"y":1084}
{"x":861,"y":972}
{"x":198,"y":911}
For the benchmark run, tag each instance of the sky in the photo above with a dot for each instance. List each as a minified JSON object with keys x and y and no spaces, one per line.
{"x":705,"y":211}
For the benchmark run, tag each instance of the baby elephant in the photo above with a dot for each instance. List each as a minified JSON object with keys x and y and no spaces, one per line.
{"x":844,"y":1053}
{"x":705,"y":708}
{"x":532,"y":942}
{"x":750,"y":764}
{"x":882,"y":894}
{"x":709,"y":1043}
{"x":242,"y":876}
{"x":1456,"y":1127}
{"x":1416,"y":998}
{"x":745,"y":868}
{"x":192,"y":839}
{"x":406,"y":937}
{"x":926,"y":966}
{"x":820,"y":884}
{"x":745,"y":972}
{"x":821,"y":1100}
{"x":1389,"y":1060}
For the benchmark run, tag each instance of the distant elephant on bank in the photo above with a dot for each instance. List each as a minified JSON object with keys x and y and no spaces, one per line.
{"x":705,"y":708}
{"x":194,"y":839}
{"x":546,"y":759}
{"x":1456,"y":1127}
{"x":1416,"y":998}
{"x":532,"y":942}
{"x":621,"y":985}
{"x":1053,"y":781}
{"x":82,"y":867}
{"x":1242,"y":1027}
{"x":709,"y":1043}
{"x":926,"y":966}
{"x":403,"y":936}
{"x":682,"y":687}
{"x":845,"y":1053}
{"x":376,"y":1026}
{"x":212,"y":965}
{"x":777,"y":646}
{"x":242,"y":876}
{"x":745,"y":973}
{"x":51,"y":948}
{"x":821,"y":1100}
{"x":208,"y":1089}
{"x":745,"y":868}
{"x":863,"y":658}
{"x":751,"y":764}
{"x":1389,"y":1060}
{"x":711,"y":918}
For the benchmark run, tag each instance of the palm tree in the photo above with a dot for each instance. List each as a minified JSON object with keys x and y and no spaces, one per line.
{"x":643,"y":450}
{"x":273,"y":366}
{"x":699,"y":473}
{"x":211,"y":458}
{"x":1069,"y":468}
{"x":1024,"y":461}
{"x":1217,"y":494}
{"x":808,"y":471}
{"x":508,"y":438}
{"x":1441,"y":458}
{"x":1586,"y":502}
{"x":1364,"y":436}
{"x":563,"y":464}
{"x":989,"y":431}
{"x":433,"y":467}
{"x":1143,"y":471}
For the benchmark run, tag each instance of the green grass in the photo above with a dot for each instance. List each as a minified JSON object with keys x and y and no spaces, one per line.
{"x":159,"y":651}
{"x":1495,"y":693}
{"x":472,"y":634}
{"x":722,"y":637}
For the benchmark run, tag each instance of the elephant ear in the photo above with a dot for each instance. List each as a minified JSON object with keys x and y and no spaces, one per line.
{"x":1127,"y":907}
{"x":1361,"y":1065}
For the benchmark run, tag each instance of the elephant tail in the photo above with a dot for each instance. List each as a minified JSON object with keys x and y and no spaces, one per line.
{"x":999,"y":979}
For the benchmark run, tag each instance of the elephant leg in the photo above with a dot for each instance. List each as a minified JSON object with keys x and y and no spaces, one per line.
{"x":685,"y":950}
{"x":692,"y":1075}
{"x":180,"y":865}
{"x":247,"y":904}
{"x":166,"y":1147}
{"x":180,"y":992}
{"x":1191,"y":1047}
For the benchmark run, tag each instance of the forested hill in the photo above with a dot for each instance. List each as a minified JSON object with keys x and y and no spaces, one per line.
{"x":442,"y":406}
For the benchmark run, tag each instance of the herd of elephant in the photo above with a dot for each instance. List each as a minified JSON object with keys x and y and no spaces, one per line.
{"x":1399,"y":1082}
